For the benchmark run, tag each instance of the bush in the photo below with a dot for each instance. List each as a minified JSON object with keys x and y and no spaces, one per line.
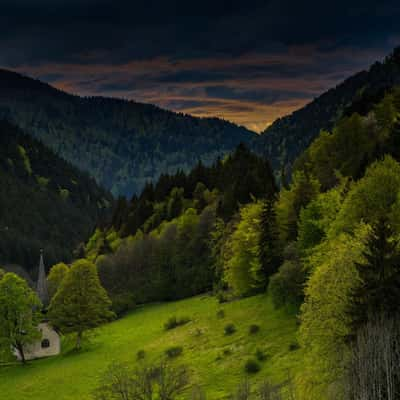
{"x":227,"y":352}
{"x":141,"y":354}
{"x":173,"y":322}
{"x":198,"y":332}
{"x":253,"y":329}
{"x":252,"y":366}
{"x":230,"y":329}
{"x":260,"y":355}
{"x":287,"y":285}
{"x":122,"y":303}
{"x":294,"y":346}
{"x":220,"y":314}
{"x":222,"y":298}
{"x":174,"y":351}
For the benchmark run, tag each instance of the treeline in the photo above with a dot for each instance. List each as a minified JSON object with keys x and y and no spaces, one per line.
{"x":44,"y":202}
{"x":163,"y":245}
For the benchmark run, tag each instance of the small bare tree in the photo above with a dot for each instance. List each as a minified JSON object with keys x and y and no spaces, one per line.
{"x":373,"y":372}
{"x":266,"y":391}
{"x":243,"y":391}
{"x":198,"y":393}
{"x":120,"y":382}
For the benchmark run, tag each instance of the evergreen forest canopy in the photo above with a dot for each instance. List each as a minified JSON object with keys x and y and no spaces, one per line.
{"x":45,"y":202}
{"x":122,"y":144}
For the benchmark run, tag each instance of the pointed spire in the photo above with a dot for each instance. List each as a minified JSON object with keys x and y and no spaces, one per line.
{"x":41,"y":289}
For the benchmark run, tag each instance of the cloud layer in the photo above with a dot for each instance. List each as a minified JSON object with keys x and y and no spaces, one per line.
{"x":249,"y":62}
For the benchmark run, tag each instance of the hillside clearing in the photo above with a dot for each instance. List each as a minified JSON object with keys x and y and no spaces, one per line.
{"x":216,"y":360}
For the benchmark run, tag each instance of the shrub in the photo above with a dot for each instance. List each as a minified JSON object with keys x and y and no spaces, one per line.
{"x":198,"y":332}
{"x":141,"y":354}
{"x":287,"y":285}
{"x":227,"y":352}
{"x":122,"y":303}
{"x":174,"y":351}
{"x":252,"y":366}
{"x":230,"y":329}
{"x":294,"y":346}
{"x":260,"y":355}
{"x":173,"y":322}
{"x":220,"y":314}
{"x":253,"y":329}
{"x":222,"y":298}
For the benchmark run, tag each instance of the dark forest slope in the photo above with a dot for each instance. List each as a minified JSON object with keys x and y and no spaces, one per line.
{"x":289,"y":136}
{"x":44,"y":201}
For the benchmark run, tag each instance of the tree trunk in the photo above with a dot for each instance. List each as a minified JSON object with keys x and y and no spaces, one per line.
{"x":79,"y":340}
{"x":20,"y":349}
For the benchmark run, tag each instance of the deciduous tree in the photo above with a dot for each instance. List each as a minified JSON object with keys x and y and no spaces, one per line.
{"x":81,"y":303}
{"x":19,"y":314}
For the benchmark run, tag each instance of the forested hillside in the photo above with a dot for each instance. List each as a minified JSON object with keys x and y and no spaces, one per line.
{"x":326,"y":246}
{"x":44,"y":201}
{"x":288,"y":137}
{"x":121,"y":143}
{"x":164,"y":244}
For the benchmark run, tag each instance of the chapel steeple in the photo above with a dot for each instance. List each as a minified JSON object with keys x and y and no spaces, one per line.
{"x":41,"y":288}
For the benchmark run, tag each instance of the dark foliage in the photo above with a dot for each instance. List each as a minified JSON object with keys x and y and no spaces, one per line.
{"x":379,"y":290}
{"x":253,"y":329}
{"x":252,"y":366}
{"x":174,"y":351}
{"x":174,"y":322}
{"x":261,"y":356}
{"x":270,"y":246}
{"x":44,"y":202}
{"x":229,"y":329}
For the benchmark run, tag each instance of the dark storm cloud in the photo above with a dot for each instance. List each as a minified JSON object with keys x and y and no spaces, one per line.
{"x":250,"y":61}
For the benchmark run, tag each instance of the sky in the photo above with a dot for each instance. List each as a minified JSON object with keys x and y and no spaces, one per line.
{"x":246,"y":61}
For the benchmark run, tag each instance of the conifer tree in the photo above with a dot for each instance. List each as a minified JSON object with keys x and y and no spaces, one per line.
{"x":269,"y":246}
{"x":379,"y":289}
{"x":81,"y":303}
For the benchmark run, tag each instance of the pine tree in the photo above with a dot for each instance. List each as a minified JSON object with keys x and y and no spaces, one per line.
{"x":269,"y":246}
{"x":81,"y":303}
{"x":379,"y":289}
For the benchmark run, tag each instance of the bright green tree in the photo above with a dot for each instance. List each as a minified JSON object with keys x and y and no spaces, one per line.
{"x":303,"y":189}
{"x":317,"y":217}
{"x":243,"y":269}
{"x":55,"y":277}
{"x":2,"y":273}
{"x":325,"y":321}
{"x":81,"y":303}
{"x":19,"y":314}
{"x":376,"y":196}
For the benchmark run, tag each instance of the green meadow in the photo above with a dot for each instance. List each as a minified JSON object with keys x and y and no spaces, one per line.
{"x":215,"y":360}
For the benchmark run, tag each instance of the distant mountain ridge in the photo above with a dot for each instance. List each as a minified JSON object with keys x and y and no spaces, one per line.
{"x":45,"y":202}
{"x":123,"y":144}
{"x":289,"y":136}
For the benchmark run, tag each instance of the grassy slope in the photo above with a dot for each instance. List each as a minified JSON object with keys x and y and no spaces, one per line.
{"x":72,"y":376}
